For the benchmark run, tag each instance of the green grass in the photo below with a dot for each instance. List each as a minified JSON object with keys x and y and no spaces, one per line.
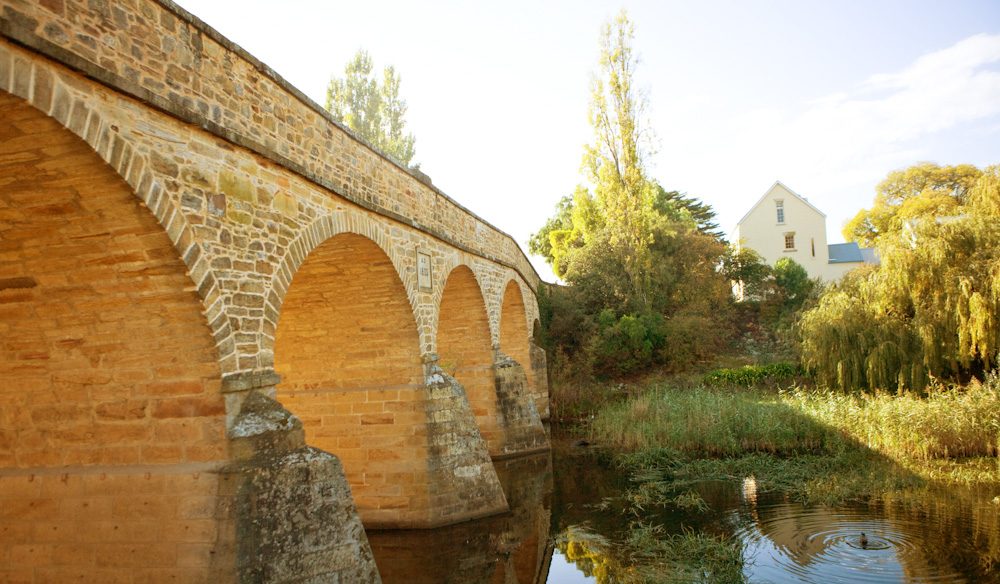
{"x":818,"y":445}
{"x":704,"y":422}
{"x":948,"y":423}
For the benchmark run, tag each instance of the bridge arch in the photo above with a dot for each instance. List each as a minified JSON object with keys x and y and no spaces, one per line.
{"x":465,"y":350}
{"x":51,"y":93}
{"x":317,"y":234}
{"x":348,"y":350}
{"x":515,"y":339}
{"x":111,"y":406}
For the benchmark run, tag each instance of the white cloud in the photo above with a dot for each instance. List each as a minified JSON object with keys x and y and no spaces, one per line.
{"x":835,"y":148}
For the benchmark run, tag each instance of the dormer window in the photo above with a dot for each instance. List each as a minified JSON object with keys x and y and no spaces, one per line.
{"x":780,"y":208}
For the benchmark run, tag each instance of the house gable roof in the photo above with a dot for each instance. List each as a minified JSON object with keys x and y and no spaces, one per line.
{"x":845,"y":252}
{"x":851,"y":252}
{"x":768,"y":192}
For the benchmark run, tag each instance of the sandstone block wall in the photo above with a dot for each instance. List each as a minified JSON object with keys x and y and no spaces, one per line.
{"x":122,"y":524}
{"x":112,"y":423}
{"x":243,"y":221}
{"x":165,"y":213}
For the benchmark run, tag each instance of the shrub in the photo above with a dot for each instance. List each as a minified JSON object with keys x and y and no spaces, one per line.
{"x":753,"y":375}
{"x":627,"y":344}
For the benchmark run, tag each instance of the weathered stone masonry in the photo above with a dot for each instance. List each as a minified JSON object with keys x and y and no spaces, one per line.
{"x":265,"y":203}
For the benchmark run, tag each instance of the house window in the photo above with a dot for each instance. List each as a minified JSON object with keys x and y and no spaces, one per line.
{"x":789,"y":241}
{"x":780,"y":207}
{"x":812,"y":244}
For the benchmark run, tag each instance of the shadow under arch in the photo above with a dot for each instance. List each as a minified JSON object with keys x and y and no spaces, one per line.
{"x":518,"y":343}
{"x":49,"y":95}
{"x":515,"y":341}
{"x":322,"y":230}
{"x":112,"y":422}
{"x":465,"y":350}
{"x":348,"y":350}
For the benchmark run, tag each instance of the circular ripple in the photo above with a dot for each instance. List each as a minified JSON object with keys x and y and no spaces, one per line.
{"x":788,"y":542}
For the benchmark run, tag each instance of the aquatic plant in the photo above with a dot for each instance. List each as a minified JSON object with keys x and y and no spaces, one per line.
{"x":818,"y":445}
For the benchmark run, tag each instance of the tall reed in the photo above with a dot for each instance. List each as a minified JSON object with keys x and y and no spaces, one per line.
{"x":705,"y":423}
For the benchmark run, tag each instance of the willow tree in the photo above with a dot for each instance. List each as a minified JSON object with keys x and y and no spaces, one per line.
{"x":932,"y":308}
{"x":909,"y":194}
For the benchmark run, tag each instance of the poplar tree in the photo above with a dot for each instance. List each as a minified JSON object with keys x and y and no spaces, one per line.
{"x":372,"y":110}
{"x":616,"y":212}
{"x":615,"y":162}
{"x":641,"y":263}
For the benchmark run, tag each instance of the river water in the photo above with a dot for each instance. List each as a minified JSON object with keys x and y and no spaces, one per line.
{"x":559,"y":533}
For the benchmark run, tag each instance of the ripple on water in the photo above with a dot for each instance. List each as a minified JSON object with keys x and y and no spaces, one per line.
{"x":789,"y":542}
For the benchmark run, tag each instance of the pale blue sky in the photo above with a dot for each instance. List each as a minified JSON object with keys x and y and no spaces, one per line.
{"x":827,"y":97}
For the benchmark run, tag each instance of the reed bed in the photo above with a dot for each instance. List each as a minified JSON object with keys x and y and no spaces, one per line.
{"x":946,"y":423}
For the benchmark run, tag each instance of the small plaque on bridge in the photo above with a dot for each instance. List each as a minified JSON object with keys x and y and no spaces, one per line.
{"x":424,"y":272}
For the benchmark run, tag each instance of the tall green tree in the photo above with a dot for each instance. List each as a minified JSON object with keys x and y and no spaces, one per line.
{"x":615,"y":161}
{"x":641,"y":271}
{"x":372,"y":110}
{"x":618,"y":205}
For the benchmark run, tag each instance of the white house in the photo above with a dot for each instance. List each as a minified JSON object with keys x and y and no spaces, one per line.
{"x":783,"y":224}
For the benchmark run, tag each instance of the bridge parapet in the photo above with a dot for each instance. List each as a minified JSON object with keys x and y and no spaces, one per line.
{"x":161,"y":54}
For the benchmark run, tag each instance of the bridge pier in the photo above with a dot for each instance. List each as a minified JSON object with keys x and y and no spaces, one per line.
{"x":463,"y":483}
{"x":540,"y":371}
{"x":294,"y":517}
{"x":522,"y":426}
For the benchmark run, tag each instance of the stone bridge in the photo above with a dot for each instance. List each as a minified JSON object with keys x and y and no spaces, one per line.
{"x":230,"y":331}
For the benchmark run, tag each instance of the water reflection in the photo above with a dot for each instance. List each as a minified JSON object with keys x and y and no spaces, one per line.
{"x":556,"y":534}
{"x":507,"y":549}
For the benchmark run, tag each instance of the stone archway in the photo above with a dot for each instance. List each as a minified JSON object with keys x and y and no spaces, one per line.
{"x":514,"y":337}
{"x":348,"y":350}
{"x":112,"y":423}
{"x":465,"y":350}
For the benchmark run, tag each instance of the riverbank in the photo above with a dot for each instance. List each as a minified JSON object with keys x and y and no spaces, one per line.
{"x":816,"y":445}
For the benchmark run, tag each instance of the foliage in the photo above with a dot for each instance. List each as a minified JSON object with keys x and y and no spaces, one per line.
{"x":792,"y":281}
{"x":540,"y":242}
{"x":753,"y":375}
{"x":372,"y":110}
{"x":747,"y":267}
{"x":648,"y":554}
{"x":683,"y":208}
{"x":931,"y":309}
{"x":627,"y":344}
{"x":820,"y":445}
{"x":922,"y":190}
{"x":641,"y":263}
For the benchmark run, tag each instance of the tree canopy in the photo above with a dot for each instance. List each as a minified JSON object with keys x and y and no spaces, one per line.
{"x":641,"y":262}
{"x":922,"y":190}
{"x":932,"y":308}
{"x":372,"y":110}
